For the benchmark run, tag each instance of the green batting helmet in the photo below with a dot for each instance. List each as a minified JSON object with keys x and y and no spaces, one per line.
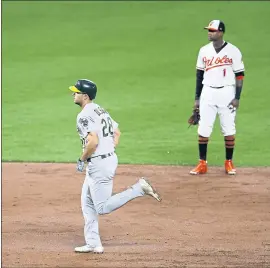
{"x":85,"y":86}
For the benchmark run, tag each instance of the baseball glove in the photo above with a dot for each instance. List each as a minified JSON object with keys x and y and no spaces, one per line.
{"x":195,"y":117}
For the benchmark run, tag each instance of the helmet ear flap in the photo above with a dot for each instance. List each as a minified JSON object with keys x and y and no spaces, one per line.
{"x":93,"y":96}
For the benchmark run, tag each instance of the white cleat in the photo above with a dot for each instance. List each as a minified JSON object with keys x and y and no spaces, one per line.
{"x":87,"y":249}
{"x":148,"y":189}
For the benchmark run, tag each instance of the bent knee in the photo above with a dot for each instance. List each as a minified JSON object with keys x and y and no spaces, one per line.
{"x":101,"y":209}
{"x":104,"y":209}
{"x":100,"y":212}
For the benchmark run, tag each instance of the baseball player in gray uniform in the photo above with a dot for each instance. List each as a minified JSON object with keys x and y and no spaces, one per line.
{"x":99,"y":135}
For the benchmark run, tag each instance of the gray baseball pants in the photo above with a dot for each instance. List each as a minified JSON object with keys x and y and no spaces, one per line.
{"x":96,"y":196}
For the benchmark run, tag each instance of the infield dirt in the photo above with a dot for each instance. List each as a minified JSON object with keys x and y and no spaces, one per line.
{"x":214,"y":220}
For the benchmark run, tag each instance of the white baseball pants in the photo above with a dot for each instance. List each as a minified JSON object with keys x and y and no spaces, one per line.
{"x":215,"y":101}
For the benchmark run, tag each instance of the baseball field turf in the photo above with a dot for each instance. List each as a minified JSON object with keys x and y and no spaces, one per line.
{"x":142,"y":56}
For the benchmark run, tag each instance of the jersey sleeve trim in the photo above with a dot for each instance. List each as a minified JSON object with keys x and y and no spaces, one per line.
{"x":238,"y":71}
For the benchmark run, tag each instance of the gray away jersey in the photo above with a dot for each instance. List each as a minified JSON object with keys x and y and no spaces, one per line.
{"x":94,"y":118}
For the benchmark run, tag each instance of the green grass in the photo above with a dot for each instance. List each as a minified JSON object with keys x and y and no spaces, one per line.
{"x":142,"y":56}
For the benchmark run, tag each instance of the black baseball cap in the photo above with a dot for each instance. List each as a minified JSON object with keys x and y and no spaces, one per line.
{"x":216,"y":25}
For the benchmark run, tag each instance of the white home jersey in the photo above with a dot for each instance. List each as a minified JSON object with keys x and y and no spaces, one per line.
{"x":220,"y":68}
{"x":94,"y":118}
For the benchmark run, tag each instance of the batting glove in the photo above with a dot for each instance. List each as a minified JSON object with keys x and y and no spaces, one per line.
{"x":80,"y":165}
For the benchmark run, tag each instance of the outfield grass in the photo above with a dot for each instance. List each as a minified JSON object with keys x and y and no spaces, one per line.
{"x":142,"y":56}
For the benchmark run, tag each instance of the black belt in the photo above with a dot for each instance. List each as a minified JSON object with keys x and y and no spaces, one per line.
{"x":217,"y":87}
{"x":102,"y":156}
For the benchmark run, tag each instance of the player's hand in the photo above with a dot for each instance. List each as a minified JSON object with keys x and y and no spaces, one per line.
{"x":196,"y":104}
{"x":80,"y":165}
{"x":233,"y":105}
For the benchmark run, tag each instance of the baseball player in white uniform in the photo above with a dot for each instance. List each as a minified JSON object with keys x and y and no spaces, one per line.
{"x":99,"y":135}
{"x":220,"y":74}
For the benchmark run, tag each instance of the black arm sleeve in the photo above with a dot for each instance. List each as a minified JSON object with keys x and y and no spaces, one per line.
{"x":238,"y":89}
{"x":199,"y":85}
{"x":239,"y":85}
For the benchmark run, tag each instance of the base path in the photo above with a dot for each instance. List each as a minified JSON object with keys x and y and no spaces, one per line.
{"x":212,"y":220}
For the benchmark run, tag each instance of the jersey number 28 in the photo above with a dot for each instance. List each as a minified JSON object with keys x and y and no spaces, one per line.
{"x":107,"y":127}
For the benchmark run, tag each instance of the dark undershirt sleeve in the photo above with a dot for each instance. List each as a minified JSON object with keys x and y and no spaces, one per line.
{"x":199,"y":84}
{"x":239,"y":85}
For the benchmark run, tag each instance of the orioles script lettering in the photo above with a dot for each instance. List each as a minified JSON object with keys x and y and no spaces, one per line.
{"x":215,"y":62}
